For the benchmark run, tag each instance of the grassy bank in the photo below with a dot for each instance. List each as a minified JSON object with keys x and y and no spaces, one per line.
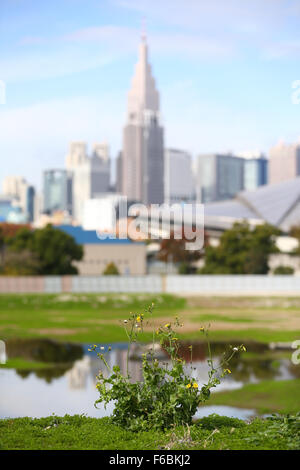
{"x":23,"y":364}
{"x":80,"y":432}
{"x":92,"y":318}
{"x":266,"y":397}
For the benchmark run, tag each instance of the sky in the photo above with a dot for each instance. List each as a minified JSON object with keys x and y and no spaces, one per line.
{"x":224,"y":70}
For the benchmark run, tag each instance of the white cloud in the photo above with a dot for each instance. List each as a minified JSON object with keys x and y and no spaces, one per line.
{"x":36,"y":65}
{"x":262,"y":24}
{"x":126,"y":39}
{"x":215,"y":13}
{"x":92,"y":47}
{"x":38,"y":136}
{"x":283,"y":49}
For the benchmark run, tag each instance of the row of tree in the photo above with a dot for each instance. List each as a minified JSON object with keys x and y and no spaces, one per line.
{"x":241,"y":250}
{"x":47,"y":251}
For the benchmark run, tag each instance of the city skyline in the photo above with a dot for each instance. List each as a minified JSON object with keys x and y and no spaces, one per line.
{"x":225,"y":81}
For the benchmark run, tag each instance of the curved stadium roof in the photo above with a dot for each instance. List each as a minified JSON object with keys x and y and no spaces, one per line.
{"x":270,"y":203}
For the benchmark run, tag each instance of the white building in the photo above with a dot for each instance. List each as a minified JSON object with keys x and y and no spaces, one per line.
{"x":101,"y":213}
{"x":179,"y":179}
{"x":91,"y":175}
{"x":21,"y":193}
{"x":77,"y":155}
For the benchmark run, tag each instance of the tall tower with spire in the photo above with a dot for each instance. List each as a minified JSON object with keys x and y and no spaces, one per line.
{"x":143,"y":139}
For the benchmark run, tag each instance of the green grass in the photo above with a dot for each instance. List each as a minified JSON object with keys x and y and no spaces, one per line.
{"x":90,"y":318}
{"x":253,"y":334}
{"x":23,"y":364}
{"x":217,"y":317}
{"x":80,"y":432}
{"x":266,"y":397}
{"x":77,"y":317}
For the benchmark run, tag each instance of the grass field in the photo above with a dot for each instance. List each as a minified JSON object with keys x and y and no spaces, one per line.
{"x":92,"y":318}
{"x":98,"y":318}
{"x":80,"y":432}
{"x":265,"y":397}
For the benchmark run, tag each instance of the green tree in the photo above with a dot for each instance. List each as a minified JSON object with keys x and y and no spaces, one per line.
{"x":20,"y":263}
{"x":111,"y":269}
{"x":242,"y":250}
{"x":53,"y":249}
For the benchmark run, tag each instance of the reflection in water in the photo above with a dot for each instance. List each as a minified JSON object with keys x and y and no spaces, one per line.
{"x":69,"y":386}
{"x":2,"y":352}
{"x":43,"y":350}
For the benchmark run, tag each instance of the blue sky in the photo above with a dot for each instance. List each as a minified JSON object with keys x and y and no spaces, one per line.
{"x":224,"y":70}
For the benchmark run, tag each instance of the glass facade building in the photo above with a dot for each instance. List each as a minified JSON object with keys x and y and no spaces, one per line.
{"x":255,"y":173}
{"x":218,"y":177}
{"x":57,"y":191}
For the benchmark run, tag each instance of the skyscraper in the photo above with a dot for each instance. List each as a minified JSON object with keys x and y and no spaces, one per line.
{"x":218,"y":177}
{"x":119,"y":179}
{"x":91,"y":175}
{"x":57,"y":191}
{"x":284,"y":162}
{"x":179,"y":180}
{"x":143,"y":139}
{"x":22,"y":194}
{"x":255,"y":169}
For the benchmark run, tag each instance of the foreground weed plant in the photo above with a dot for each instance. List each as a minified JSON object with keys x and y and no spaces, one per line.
{"x":167,"y":396}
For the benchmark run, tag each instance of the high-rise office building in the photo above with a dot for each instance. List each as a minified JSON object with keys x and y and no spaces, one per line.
{"x":57,"y":191}
{"x":255,"y":169}
{"x":100,"y":169}
{"x":143,"y":137}
{"x":90,"y":175}
{"x":119,"y":174}
{"x":179,"y":178}
{"x":218,"y":177}
{"x":284,"y":162}
{"x":30,"y":203}
{"x":21,"y":193}
{"x":77,"y":155}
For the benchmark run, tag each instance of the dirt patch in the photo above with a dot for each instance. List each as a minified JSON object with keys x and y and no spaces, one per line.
{"x":5,"y":327}
{"x":59,"y":331}
{"x":243,"y":302}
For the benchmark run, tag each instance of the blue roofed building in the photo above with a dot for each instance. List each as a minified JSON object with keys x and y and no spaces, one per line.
{"x":99,"y":250}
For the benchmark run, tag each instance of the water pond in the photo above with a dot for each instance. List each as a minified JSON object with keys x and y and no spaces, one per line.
{"x":65,"y":384}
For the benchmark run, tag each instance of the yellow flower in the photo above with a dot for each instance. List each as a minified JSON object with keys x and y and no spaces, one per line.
{"x":227,"y":371}
{"x":201,"y":329}
{"x":138,"y":319}
{"x":167,"y":325}
{"x":195,"y":385}
{"x":188,"y":386}
{"x":174,"y":339}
